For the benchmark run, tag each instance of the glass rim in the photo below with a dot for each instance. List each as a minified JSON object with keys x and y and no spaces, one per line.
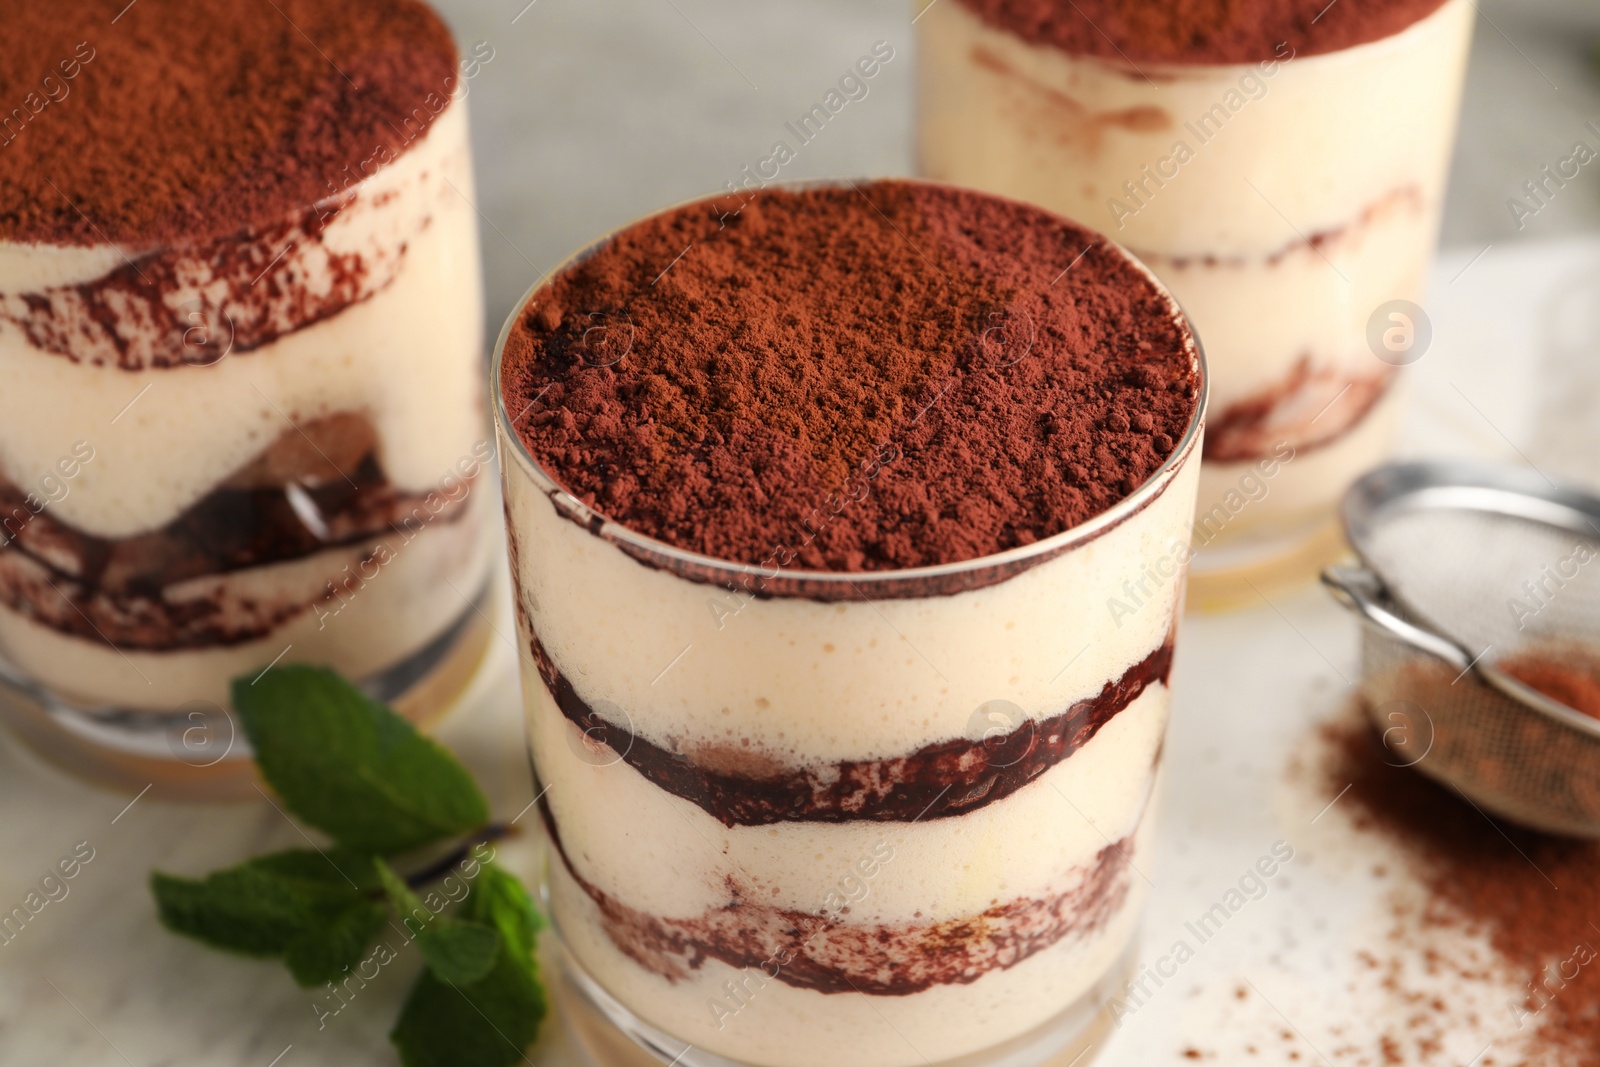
{"x":1195,"y":71}
{"x":660,"y":553}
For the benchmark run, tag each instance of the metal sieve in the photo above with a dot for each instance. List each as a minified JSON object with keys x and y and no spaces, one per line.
{"x":1464,"y":566}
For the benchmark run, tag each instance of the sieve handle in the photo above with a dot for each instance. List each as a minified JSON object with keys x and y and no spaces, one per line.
{"x":1363,"y":593}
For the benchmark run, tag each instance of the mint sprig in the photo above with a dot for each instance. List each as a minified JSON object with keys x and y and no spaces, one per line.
{"x":349,"y":766}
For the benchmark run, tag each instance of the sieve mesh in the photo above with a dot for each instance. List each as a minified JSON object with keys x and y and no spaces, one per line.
{"x":1500,"y":567}
{"x":1495,"y":582}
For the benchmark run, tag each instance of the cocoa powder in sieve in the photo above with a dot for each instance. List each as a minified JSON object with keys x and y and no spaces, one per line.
{"x":1575,"y":684}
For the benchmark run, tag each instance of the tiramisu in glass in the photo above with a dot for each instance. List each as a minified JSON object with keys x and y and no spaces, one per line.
{"x":243,"y":419}
{"x":848,"y":524}
{"x":1279,"y":164}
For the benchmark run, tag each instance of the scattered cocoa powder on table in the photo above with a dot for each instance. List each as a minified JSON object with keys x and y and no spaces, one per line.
{"x":859,"y":377}
{"x":1535,"y":897}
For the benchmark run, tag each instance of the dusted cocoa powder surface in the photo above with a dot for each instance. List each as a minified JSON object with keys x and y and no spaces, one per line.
{"x":854,"y":378}
{"x":1201,"y":31}
{"x":183,"y":120}
{"x":1533,"y":895}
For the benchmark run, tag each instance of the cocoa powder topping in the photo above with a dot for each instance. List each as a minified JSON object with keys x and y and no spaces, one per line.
{"x":166,"y":121}
{"x":858,"y":378}
{"x":1201,"y":31}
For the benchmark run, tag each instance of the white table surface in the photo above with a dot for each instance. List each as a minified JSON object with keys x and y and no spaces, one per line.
{"x":576,"y":134}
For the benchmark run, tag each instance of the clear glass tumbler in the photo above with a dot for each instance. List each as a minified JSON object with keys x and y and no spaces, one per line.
{"x":956,"y":885}
{"x":1291,"y":204}
{"x":264,"y":448}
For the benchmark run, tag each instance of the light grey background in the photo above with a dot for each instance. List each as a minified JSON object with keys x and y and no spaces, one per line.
{"x":591,"y":114}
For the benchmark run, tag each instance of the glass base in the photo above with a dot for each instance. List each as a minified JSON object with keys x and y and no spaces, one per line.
{"x":613,"y":1036}
{"x":1235,"y":573}
{"x":202,"y":755}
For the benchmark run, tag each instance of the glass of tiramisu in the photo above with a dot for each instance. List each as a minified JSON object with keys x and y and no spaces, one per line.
{"x":243,"y":419}
{"x":1279,"y":164}
{"x":848,"y":525}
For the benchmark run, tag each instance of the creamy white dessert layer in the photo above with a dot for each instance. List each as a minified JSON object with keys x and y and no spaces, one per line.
{"x":733,"y":1012}
{"x":407,"y":356}
{"x":28,"y":268}
{"x":1280,"y":150}
{"x":1259,"y":316}
{"x":696,"y":668}
{"x":369,"y":625}
{"x":662,"y":854}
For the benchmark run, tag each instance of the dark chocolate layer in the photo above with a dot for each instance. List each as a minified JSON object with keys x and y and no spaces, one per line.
{"x":195,"y":305}
{"x":940,"y":780}
{"x":1287,"y":413}
{"x":318,"y":488}
{"x":817,"y":951}
{"x":1405,"y":198}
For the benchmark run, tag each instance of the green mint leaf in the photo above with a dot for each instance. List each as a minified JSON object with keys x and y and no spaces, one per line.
{"x":489,"y":1023}
{"x":329,"y":870}
{"x":351,"y":767}
{"x":239,"y":910}
{"x":499,"y":898}
{"x":284,"y":903}
{"x":459,"y":951}
{"x":326,"y":952}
